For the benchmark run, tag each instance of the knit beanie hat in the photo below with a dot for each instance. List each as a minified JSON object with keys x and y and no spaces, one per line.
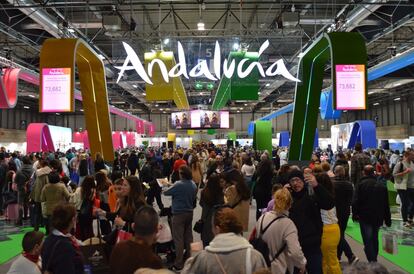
{"x":296,"y":173}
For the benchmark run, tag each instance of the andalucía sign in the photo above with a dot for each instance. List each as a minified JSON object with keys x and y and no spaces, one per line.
{"x":201,"y":69}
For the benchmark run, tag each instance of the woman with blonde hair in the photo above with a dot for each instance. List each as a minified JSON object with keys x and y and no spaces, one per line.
{"x":196,"y":170}
{"x":281,"y":235}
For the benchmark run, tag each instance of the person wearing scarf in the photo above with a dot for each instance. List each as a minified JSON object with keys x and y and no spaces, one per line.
{"x":29,"y":262}
{"x":61,"y":251}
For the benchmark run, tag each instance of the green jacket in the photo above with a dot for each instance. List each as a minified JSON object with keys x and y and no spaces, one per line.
{"x":41,"y":180}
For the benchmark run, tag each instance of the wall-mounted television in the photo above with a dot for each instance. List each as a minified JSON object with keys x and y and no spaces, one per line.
{"x":200,"y":119}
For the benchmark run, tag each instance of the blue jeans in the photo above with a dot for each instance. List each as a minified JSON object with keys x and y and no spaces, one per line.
{"x":369,"y":234}
{"x":314,"y":262}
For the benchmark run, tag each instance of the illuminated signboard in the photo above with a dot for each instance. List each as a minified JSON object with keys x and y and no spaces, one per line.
{"x":200,"y":119}
{"x":350,"y":87}
{"x":228,"y":69}
{"x":56,"y":90}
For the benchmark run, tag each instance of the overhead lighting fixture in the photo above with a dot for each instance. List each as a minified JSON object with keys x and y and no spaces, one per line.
{"x":267,"y":85}
{"x":57,"y":114}
{"x":200,"y":26}
{"x":397,"y":99}
{"x":117,"y":102}
{"x":144,"y":94}
{"x":238,"y":111}
{"x":259,"y":93}
{"x":376,"y":104}
{"x":161,"y":109}
{"x":71,"y":30}
{"x":156,"y":105}
{"x":81,"y":109}
{"x":135,"y":86}
{"x":245,"y":105}
{"x":32,"y":96}
{"x":236,"y":46}
{"x":166,"y":41}
{"x":240,"y":108}
{"x":26,"y":107}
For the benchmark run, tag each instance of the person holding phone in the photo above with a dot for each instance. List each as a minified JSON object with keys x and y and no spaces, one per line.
{"x":308,"y":199}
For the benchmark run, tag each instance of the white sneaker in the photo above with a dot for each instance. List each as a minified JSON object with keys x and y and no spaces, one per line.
{"x":406,"y":225}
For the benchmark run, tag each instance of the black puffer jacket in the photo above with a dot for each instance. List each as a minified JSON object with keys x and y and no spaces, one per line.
{"x":305,"y":213}
{"x":370,"y":203}
{"x":343,"y":196}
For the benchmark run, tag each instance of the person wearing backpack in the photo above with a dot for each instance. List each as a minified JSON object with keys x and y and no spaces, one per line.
{"x":280,"y":235}
{"x":403,"y":179}
{"x":308,"y":199}
{"x":229,"y":252}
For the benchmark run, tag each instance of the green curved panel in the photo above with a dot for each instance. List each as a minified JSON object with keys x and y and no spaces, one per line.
{"x":342,"y":48}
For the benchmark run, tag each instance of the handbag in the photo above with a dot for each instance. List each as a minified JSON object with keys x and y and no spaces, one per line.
{"x":198,"y":226}
{"x":95,"y":254}
{"x":164,"y":234}
{"x":123,"y":236}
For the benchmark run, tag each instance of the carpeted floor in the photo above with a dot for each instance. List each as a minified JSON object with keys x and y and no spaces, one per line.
{"x":11,"y":240}
{"x":404,"y":257}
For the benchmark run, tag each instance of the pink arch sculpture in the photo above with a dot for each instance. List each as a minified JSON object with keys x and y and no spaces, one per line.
{"x":9,"y":84}
{"x":38,"y":138}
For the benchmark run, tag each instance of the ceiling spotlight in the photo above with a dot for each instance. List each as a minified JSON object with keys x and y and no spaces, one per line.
{"x":240,"y":108}
{"x":245,"y":105}
{"x":71,"y":30}
{"x":236,"y":46}
{"x":57,"y":113}
{"x":166,"y":41}
{"x":81,"y":109}
{"x":31,"y":95}
{"x":397,"y":99}
{"x":259,"y":93}
{"x":267,"y":85}
{"x":293,"y":8}
{"x":161,"y":109}
{"x":200,"y":26}
{"x":376,"y":104}
{"x":156,"y":105}
{"x":238,"y":111}
{"x":144,"y":94}
{"x":135,"y":86}
{"x":26,"y":107}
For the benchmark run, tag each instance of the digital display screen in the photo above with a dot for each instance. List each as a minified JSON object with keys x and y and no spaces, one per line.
{"x":350,"y":87}
{"x":181,"y":120}
{"x":56,"y":90}
{"x":200,"y":119}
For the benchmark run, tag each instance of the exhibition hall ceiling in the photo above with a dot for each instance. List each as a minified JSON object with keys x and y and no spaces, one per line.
{"x":289,"y":26}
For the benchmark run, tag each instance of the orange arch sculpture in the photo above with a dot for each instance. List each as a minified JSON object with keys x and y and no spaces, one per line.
{"x":66,"y":53}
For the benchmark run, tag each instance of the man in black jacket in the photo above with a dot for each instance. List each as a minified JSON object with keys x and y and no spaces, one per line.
{"x":22,"y":179}
{"x":343,"y":200}
{"x":132,"y":163}
{"x":370,"y":207}
{"x":308,"y":199}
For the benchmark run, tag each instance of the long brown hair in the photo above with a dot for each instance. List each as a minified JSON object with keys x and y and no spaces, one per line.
{"x":134,"y":200}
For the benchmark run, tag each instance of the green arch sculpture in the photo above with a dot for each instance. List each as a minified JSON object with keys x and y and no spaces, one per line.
{"x":343,"y":48}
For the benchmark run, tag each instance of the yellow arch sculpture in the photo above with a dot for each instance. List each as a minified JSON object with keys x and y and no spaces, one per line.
{"x":63,"y":53}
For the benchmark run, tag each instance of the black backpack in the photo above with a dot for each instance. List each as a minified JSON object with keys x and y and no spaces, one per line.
{"x":260,"y":245}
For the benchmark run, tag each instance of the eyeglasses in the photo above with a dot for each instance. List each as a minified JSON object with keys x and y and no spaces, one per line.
{"x":295,"y":179}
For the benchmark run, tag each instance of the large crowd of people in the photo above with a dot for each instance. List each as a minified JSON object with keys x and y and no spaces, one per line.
{"x":301,"y":212}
